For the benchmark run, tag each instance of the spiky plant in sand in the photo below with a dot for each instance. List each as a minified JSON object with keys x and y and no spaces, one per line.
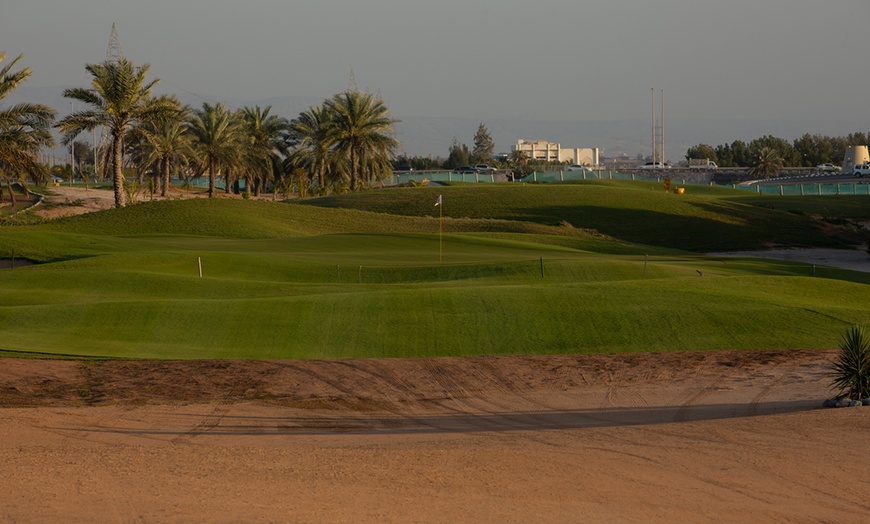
{"x":852,"y":368}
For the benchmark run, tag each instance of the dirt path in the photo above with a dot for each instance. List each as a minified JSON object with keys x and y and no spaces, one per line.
{"x":61,"y":201}
{"x":699,"y":437}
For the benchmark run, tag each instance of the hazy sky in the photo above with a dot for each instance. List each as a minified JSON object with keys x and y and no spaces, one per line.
{"x":548,"y":59}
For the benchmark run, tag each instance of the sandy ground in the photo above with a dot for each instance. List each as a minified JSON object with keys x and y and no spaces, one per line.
{"x":856,"y":259}
{"x":68,"y":201}
{"x":64,"y":200}
{"x":678,"y":437}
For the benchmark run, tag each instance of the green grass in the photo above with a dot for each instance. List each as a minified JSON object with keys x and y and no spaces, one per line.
{"x":125,"y":283}
{"x":715,"y":219}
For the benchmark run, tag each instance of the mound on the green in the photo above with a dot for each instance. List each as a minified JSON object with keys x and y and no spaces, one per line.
{"x":523,"y":272}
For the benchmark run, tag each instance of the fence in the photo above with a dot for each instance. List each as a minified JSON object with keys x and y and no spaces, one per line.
{"x":795,"y":189}
{"x":447,"y":176}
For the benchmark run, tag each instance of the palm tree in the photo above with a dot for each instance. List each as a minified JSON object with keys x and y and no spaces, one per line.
{"x":309,"y":132}
{"x":518,"y":157}
{"x":217,"y":133}
{"x":164,"y":142}
{"x":266,"y":144}
{"x":24,"y":130}
{"x":768,"y":163}
{"x":360,"y":130}
{"x":120,"y":100}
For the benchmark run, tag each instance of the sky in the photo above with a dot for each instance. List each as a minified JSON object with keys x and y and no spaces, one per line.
{"x":594,"y":60}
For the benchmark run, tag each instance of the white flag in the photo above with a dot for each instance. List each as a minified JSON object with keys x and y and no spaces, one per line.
{"x":438,"y":202}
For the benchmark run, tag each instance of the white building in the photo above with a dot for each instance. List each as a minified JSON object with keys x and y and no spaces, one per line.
{"x":854,"y":156}
{"x":552,"y":152}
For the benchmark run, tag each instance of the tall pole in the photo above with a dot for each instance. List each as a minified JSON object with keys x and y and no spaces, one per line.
{"x":653,"y":91}
{"x":440,"y":233}
{"x":663,"y":127}
{"x":72,"y":150}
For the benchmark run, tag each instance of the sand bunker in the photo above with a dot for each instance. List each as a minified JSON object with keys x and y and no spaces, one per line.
{"x":854,"y":259}
{"x":699,"y":437}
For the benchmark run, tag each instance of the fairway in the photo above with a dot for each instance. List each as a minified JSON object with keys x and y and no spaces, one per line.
{"x":516,"y":270}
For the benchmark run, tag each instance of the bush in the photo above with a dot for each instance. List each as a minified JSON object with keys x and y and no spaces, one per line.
{"x":852,"y":367}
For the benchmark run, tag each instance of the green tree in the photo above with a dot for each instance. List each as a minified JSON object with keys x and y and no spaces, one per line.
{"x":266,"y":146}
{"x":120,"y":99}
{"x":360,"y":131}
{"x":783,"y":149}
{"x":217,"y":140}
{"x":309,"y":137}
{"x":84,"y":154}
{"x":458,"y":155}
{"x":24,"y":130}
{"x":519,"y":161}
{"x":166,"y":142}
{"x":768,"y":163}
{"x":483,"y":146}
{"x":814,"y":149}
{"x":702,"y":151}
{"x":740,"y":156}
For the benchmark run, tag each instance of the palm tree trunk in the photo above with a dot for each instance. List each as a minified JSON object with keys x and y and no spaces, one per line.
{"x":167,"y":167}
{"x":354,"y":174}
{"x":118,"y":180}
{"x":211,"y":178}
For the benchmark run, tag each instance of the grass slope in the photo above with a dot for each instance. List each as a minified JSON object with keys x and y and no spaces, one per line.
{"x":707,"y":219}
{"x":304,"y":281}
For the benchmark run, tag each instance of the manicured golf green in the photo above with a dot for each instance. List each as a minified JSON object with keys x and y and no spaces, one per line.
{"x":517,"y":270}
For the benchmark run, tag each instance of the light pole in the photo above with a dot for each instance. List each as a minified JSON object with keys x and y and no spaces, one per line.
{"x":72,"y":152}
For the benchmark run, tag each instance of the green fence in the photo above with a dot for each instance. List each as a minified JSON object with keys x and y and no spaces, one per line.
{"x":811,"y":189}
{"x":858,"y":188}
{"x":445,"y":176}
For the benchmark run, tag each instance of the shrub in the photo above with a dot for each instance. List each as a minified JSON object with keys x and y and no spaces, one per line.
{"x":852,"y":367}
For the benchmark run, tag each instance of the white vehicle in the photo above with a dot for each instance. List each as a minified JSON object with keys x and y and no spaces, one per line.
{"x":654,"y":165}
{"x":575,"y":167}
{"x":860,"y":170}
{"x":483,"y":168}
{"x":827,"y":167}
{"x":702,"y":163}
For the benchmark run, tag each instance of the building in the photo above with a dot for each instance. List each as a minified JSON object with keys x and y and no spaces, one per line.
{"x":552,"y":152}
{"x":855,"y":155}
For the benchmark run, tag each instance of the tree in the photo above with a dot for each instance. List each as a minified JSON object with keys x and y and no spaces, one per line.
{"x":519,"y":159}
{"x":119,"y":100}
{"x":24,"y":130}
{"x":814,"y":149}
{"x":83,"y":153}
{"x":309,"y":136}
{"x":740,"y":154}
{"x":768,"y":163}
{"x":702,"y":151}
{"x":483,"y":146}
{"x":784,"y":150}
{"x":458,"y":155}
{"x":266,"y":145}
{"x":165,"y":142}
{"x":217,"y":134}
{"x":360,"y":130}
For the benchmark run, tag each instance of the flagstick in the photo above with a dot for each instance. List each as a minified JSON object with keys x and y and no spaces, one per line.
{"x":440,"y":234}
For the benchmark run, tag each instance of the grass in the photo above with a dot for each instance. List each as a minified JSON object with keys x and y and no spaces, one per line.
{"x":716,"y":219}
{"x":125,"y":283}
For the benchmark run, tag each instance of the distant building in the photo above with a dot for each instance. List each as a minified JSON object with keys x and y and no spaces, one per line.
{"x":854,"y":156}
{"x":552,"y":152}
